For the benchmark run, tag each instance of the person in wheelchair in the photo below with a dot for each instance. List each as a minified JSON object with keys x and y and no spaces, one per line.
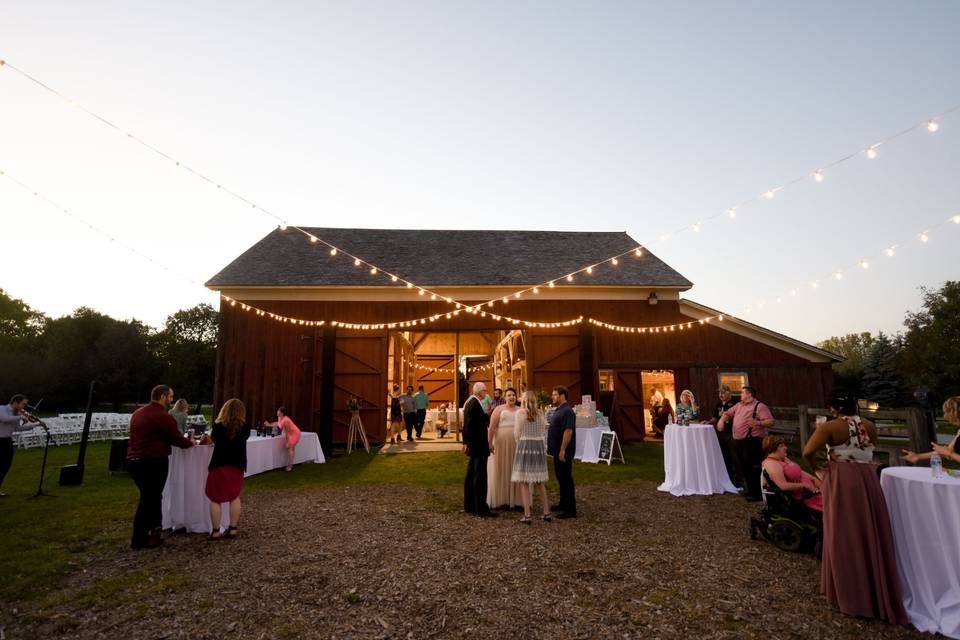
{"x":792,"y":514}
{"x":787,"y":476}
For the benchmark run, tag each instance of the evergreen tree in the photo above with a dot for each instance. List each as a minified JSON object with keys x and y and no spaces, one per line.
{"x":881,"y":377}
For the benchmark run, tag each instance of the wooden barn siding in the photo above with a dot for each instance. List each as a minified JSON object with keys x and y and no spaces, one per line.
{"x":266,"y":363}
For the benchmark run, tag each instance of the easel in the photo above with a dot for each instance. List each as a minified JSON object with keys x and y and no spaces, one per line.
{"x":356,"y":429}
{"x":610,"y":448}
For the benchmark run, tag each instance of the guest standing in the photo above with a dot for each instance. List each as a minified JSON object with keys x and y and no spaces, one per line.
{"x":498,"y":399}
{"x":751,"y":419}
{"x":420,"y":402}
{"x":724,"y":438}
{"x":396,"y":416}
{"x":663,"y":414}
{"x":291,"y":434}
{"x":501,"y":492}
{"x":179,"y":413}
{"x":227,"y":464}
{"x":152,"y":432}
{"x":687,"y":409}
{"x":562,"y":444}
{"x":530,"y":459}
{"x":476,"y":447}
{"x":858,"y":572}
{"x":409,"y":412}
{"x":11,"y":420}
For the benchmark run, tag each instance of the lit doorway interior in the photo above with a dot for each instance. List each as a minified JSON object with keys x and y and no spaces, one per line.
{"x":656,"y":382}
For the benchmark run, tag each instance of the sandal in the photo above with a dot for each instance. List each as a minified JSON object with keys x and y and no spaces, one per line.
{"x":230,"y":533}
{"x":214,"y":535}
{"x":526,"y":520}
{"x":547,"y":517}
{"x":289,"y":468}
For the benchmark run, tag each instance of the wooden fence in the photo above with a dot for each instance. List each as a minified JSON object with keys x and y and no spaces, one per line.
{"x":897,"y":429}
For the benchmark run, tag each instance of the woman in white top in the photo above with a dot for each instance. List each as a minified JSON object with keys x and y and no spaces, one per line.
{"x":500,"y":491}
{"x":530,"y":460}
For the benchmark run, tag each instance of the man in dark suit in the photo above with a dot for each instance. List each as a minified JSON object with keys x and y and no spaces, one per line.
{"x":478,"y":449}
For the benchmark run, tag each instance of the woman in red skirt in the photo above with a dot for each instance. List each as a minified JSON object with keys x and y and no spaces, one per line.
{"x":229,"y":461}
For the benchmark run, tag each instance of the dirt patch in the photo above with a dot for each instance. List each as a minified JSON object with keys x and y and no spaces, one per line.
{"x":399,"y":562}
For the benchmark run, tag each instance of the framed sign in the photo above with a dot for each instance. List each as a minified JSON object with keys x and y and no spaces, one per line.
{"x":609,"y":444}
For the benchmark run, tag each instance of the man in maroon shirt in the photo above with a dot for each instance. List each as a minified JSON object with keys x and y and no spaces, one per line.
{"x":152,"y":432}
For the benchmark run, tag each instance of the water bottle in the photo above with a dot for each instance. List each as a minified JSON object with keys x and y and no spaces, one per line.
{"x":936,"y":465}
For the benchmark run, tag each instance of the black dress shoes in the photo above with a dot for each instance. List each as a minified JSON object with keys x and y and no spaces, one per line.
{"x":487,"y":514}
{"x":565,"y":515}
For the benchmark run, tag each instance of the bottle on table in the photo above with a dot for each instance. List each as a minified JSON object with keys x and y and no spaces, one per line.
{"x":936,"y":465}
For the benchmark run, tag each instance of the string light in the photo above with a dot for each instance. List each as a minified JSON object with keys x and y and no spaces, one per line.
{"x":570,"y":278}
{"x":356,"y":262}
{"x":589,"y":269}
{"x":865,"y":263}
{"x":732,"y":212}
{"x":818,"y":175}
{"x":615,"y":262}
{"x":638,"y":252}
{"x":924,"y":237}
{"x":373,"y":271}
{"x":931,"y":124}
{"x":955,"y":219}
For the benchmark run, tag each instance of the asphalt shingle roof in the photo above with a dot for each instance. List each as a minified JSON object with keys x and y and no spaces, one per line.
{"x":443,"y":258}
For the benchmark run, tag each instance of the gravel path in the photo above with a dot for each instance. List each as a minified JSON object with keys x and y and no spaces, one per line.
{"x":398,"y":562}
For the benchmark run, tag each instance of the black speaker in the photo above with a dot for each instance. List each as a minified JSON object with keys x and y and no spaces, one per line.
{"x":118,"y":455}
{"x":71,"y":475}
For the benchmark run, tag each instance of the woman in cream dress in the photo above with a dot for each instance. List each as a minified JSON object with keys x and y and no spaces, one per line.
{"x":501,"y":492}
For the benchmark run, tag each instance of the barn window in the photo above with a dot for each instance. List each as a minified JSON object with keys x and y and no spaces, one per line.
{"x":736,"y":380}
{"x":606,"y":379}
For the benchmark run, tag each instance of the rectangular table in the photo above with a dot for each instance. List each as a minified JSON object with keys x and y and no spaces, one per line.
{"x":925,"y":518}
{"x":692,"y":462}
{"x":185,"y":505}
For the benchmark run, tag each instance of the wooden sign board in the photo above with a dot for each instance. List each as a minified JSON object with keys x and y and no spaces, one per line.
{"x":608,"y":444}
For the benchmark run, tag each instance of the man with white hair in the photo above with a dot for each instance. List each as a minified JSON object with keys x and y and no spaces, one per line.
{"x":476,"y":421}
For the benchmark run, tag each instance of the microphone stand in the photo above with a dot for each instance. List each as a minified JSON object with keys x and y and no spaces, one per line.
{"x":43,"y":466}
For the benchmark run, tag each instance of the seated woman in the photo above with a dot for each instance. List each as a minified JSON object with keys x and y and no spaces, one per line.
{"x":687,"y":409}
{"x":661,"y":413}
{"x":951,"y":412}
{"x":788,"y":476}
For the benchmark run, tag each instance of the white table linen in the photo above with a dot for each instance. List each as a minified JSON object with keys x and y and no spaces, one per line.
{"x":588,"y":443}
{"x":692,"y":462}
{"x":430,"y":421}
{"x":185,"y":505}
{"x":925,"y":518}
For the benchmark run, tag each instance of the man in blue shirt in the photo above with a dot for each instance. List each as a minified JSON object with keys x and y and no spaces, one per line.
{"x":421,"y":402}
{"x":561,"y":444}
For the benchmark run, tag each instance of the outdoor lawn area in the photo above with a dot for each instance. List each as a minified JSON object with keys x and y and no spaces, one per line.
{"x":377,"y":546}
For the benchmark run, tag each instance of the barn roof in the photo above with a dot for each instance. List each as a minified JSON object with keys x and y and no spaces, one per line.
{"x":434,"y":258}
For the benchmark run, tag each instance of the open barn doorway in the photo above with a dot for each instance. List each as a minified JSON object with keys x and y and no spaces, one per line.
{"x":446,"y":365}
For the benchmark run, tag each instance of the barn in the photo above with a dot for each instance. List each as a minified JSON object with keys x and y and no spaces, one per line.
{"x":311,"y":317}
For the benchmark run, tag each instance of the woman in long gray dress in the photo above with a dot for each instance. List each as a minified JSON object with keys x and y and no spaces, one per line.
{"x":530,"y":460}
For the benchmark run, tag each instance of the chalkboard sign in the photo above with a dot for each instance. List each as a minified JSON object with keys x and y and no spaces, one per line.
{"x":608,"y":440}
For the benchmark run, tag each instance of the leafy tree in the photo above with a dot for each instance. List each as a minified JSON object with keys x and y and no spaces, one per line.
{"x":186,"y":348}
{"x":881,"y":377}
{"x":21,"y":329}
{"x":931,"y":353}
{"x":18,"y":322}
{"x":854,"y":347}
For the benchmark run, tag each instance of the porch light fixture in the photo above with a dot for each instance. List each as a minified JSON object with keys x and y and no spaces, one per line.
{"x":652,"y":298}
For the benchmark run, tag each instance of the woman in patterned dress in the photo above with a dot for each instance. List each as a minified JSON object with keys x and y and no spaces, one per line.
{"x":530,"y":460}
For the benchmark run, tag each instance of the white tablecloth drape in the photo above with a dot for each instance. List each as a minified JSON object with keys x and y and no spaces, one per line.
{"x":430,"y":421}
{"x":925,"y":518}
{"x":185,"y":505}
{"x":588,"y":443}
{"x":692,"y":462}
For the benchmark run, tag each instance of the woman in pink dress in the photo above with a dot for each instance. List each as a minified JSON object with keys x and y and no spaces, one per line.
{"x":788,"y":476}
{"x":291,"y":433}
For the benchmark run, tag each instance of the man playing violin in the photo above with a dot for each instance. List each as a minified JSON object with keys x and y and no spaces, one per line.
{"x":13,"y":417}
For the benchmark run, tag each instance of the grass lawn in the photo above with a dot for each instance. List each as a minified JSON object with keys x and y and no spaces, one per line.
{"x":49,"y":537}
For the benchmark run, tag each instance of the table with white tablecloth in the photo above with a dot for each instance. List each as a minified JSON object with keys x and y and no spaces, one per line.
{"x":453,"y":419}
{"x":925,"y":518}
{"x":185,"y":505}
{"x":692,"y":461}
{"x":588,"y":443}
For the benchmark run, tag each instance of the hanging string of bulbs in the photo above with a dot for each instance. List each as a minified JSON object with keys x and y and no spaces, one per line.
{"x":871,"y":152}
{"x":864,"y":264}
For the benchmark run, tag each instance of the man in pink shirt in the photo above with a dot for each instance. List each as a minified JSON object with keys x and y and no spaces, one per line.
{"x":751,"y":419}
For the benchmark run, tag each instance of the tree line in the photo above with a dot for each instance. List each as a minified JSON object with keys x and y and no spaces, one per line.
{"x":924,"y":357}
{"x":56,"y":358}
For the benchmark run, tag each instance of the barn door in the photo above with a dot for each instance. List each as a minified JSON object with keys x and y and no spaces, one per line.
{"x":554,"y":359}
{"x":439,"y":385}
{"x":360,"y":370}
{"x":630,"y":409}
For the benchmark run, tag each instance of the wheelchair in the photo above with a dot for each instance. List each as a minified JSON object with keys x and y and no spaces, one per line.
{"x":786,"y":522}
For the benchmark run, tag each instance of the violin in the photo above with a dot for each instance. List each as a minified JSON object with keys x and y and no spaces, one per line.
{"x":32,"y":418}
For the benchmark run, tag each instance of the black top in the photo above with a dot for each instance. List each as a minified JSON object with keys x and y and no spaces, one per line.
{"x":227,"y":451}
{"x":562,"y":419}
{"x":476,"y":422}
{"x":721,"y":408}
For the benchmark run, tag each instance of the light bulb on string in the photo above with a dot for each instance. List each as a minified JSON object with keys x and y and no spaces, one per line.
{"x":552,"y":285}
{"x":433,"y":296}
{"x":536,"y":290}
{"x":924,"y":237}
{"x":872,"y":153}
{"x":570,"y":278}
{"x":696,"y":227}
{"x":865,"y":264}
{"x":838,"y":275}
{"x":890,"y":252}
{"x":393,"y":278}
{"x":955,"y":219}
{"x":732,"y":212}
{"x":818,"y":175}
{"x":615,"y":261}
{"x":356,"y":262}
{"x":422,"y":292}
{"x":283,"y":226}
{"x":932,"y":126}
{"x":769,"y":194}
{"x":409,"y":285}
{"x":638,"y":252}
{"x":373,"y":271}
{"x":589,"y":269}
